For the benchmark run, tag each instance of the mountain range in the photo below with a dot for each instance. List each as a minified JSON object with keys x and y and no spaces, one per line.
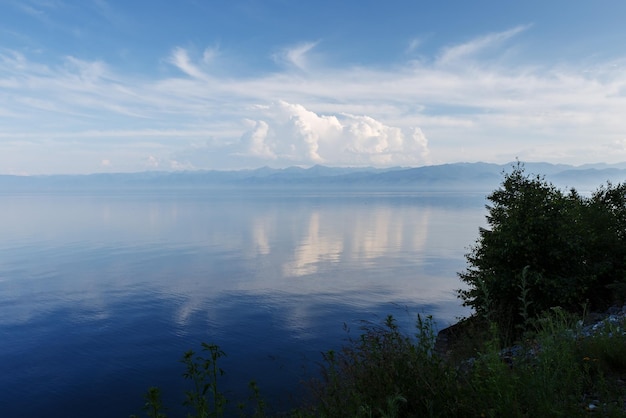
{"x":445,"y":177}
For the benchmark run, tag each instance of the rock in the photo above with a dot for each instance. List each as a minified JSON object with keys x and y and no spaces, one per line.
{"x":460,"y":339}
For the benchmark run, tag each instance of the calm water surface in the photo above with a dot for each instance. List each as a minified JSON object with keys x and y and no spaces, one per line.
{"x":101,"y":294}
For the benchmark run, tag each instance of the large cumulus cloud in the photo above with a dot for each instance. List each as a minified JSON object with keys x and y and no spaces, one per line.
{"x":292,"y":134}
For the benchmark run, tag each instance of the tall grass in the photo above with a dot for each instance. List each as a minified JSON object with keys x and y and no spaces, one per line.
{"x":385,"y":373}
{"x":556,"y":371}
{"x":552,"y":373}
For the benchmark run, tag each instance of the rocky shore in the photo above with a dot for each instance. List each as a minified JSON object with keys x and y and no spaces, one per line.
{"x":466,"y":332}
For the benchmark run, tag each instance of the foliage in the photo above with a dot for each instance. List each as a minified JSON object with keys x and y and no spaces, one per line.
{"x":386,"y":373}
{"x":606,"y":348}
{"x":153,"y":406}
{"x":203,"y":372}
{"x":546,"y":255}
{"x":559,"y":370}
{"x":545,"y":248}
{"x":204,"y":398}
{"x":550,"y":374}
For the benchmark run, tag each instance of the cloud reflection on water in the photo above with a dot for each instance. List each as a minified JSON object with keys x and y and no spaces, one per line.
{"x":199,"y":248}
{"x":130,"y":282}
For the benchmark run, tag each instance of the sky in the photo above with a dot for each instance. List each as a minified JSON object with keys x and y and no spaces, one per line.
{"x":90,"y":86}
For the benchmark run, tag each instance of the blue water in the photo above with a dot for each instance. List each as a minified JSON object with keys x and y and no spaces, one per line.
{"x":101,"y":294}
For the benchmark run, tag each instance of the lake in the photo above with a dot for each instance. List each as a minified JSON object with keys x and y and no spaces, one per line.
{"x":102,"y":293}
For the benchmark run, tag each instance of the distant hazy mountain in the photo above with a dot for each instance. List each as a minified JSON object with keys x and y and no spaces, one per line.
{"x":458,"y":176}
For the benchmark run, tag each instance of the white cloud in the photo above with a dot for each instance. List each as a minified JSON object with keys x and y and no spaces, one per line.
{"x":306,"y":130}
{"x":152,"y":161}
{"x":179,"y":166}
{"x":180,"y":59}
{"x":296,"y":135}
{"x":255,"y":141}
{"x":468,"y":103}
{"x":413,"y":45}
{"x":88,"y":71}
{"x":616,"y":147}
{"x":463,"y":51}
{"x":209,"y":55}
{"x":297,"y":56}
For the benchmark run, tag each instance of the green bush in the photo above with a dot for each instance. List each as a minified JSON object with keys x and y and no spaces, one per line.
{"x":385,"y":373}
{"x":543,"y":248}
{"x":558,"y":371}
{"x":204,"y":399}
{"x":546,"y":254}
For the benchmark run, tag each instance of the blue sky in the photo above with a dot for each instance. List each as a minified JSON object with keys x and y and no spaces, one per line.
{"x":117,"y":86}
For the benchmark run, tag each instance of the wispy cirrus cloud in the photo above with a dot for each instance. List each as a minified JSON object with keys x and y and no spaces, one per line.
{"x":180,"y":59}
{"x":296,"y":56}
{"x":465,"y":50}
{"x":486,"y":106}
{"x":413,"y":45}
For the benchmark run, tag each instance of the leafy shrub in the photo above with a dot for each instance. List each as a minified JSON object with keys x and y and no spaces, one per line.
{"x":386,"y":373}
{"x":558,"y":371}
{"x":545,"y":248}
{"x":551,"y":374}
{"x":204,"y":399}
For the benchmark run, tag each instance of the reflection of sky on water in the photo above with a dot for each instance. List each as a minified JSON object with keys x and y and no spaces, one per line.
{"x":133,"y":281}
